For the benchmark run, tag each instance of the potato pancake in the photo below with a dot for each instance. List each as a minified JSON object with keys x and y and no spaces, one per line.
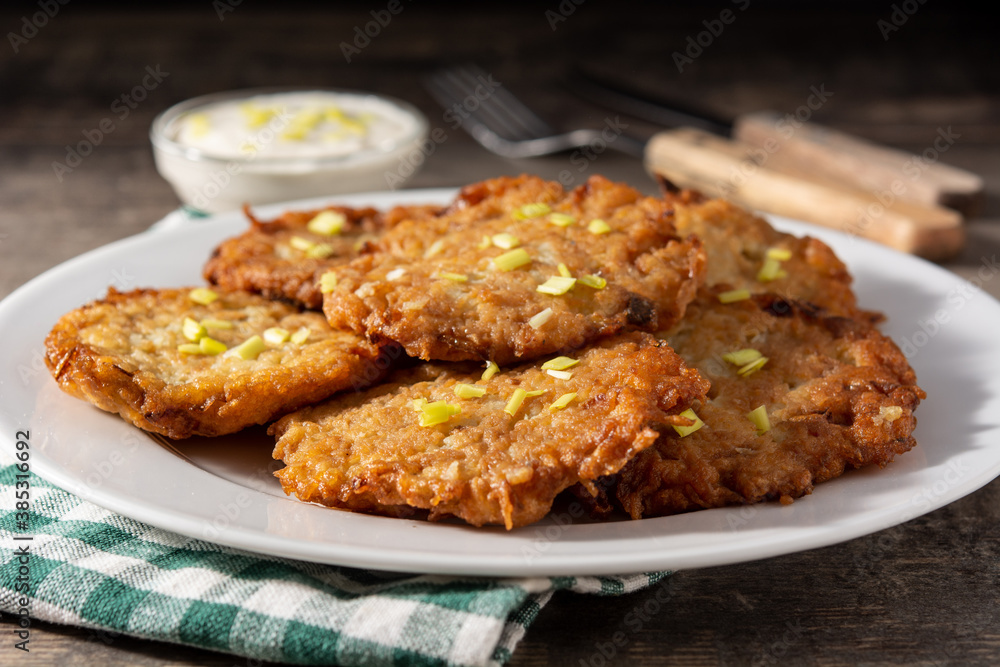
{"x":283,"y":258}
{"x":746,"y":252}
{"x":830,"y":393}
{"x":518,"y":268}
{"x":489,"y":451}
{"x":184,"y":362}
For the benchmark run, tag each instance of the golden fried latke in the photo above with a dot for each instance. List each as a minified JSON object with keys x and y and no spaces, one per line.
{"x":264,"y":260}
{"x":121,"y":354}
{"x":837,"y":394}
{"x":737,"y":243}
{"x":369,"y":452}
{"x":435,"y":289}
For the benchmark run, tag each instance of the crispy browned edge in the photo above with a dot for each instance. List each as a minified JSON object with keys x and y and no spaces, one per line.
{"x":377,"y":490}
{"x":141,"y":398}
{"x":453,"y":343}
{"x":247,"y":261}
{"x":838,"y":435}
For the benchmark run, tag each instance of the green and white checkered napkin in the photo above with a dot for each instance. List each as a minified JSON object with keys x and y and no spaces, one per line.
{"x":93,"y":568}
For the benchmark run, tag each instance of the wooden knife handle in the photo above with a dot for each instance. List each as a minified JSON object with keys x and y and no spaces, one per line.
{"x":741,"y":173}
{"x":854,"y":162}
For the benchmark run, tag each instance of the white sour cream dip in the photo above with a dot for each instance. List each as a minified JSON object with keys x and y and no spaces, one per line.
{"x":295,"y":125}
{"x":222,"y":151}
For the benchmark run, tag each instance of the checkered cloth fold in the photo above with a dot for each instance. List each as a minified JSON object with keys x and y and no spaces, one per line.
{"x":89,"y":567}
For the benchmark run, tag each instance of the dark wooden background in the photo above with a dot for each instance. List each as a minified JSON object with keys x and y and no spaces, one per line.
{"x":922,"y":593}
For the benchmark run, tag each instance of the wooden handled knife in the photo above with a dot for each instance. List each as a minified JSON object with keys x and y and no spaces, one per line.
{"x":802,"y":170}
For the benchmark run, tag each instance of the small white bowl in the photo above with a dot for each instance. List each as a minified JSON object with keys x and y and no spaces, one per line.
{"x":258,"y":146}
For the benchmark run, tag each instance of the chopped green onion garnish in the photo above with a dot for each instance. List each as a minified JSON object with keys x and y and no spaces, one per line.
{"x":759,"y":418}
{"x":199,"y":124}
{"x":516,"y":399}
{"x":212,"y":323}
{"x":319,"y":251}
{"x":255,"y":115}
{"x":512,"y":260}
{"x":536,"y":210}
{"x":211,"y":346}
{"x":752,"y":367}
{"x":189,"y":348}
{"x":491,"y":370}
{"x":300,"y":243}
{"x":327,"y":223}
{"x":734,"y":295}
{"x":560,"y":375}
{"x":564,"y":271}
{"x":685,"y":431}
{"x":437,"y":412}
{"x":455,"y":277}
{"x":505,"y":241}
{"x":434,"y":249}
{"x":559,"y":364}
{"x":596,"y":282}
{"x":770,"y":270}
{"x":276,"y":335}
{"x":485,"y":243}
{"x":192,"y":330}
{"x":742,"y":357}
{"x":780,"y":254}
{"x":557,"y":285}
{"x":419,"y":403}
{"x":562,"y":401}
{"x":598,"y":226}
{"x":328,"y":283}
{"x":469,"y":391}
{"x":890,"y":413}
{"x":536,"y":392}
{"x":249,"y":349}
{"x":540,"y":319}
{"x":202,"y":295}
{"x":561,"y":219}
{"x":300,"y":336}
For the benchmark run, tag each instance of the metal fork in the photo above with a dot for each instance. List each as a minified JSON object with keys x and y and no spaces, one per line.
{"x":502,"y":124}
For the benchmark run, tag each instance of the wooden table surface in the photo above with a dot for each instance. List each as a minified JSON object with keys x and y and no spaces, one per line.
{"x":924,"y":592}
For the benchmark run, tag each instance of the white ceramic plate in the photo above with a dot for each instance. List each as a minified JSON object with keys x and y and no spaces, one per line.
{"x":222,"y":490}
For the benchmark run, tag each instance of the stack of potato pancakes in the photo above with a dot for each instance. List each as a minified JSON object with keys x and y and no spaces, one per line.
{"x":650,"y":355}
